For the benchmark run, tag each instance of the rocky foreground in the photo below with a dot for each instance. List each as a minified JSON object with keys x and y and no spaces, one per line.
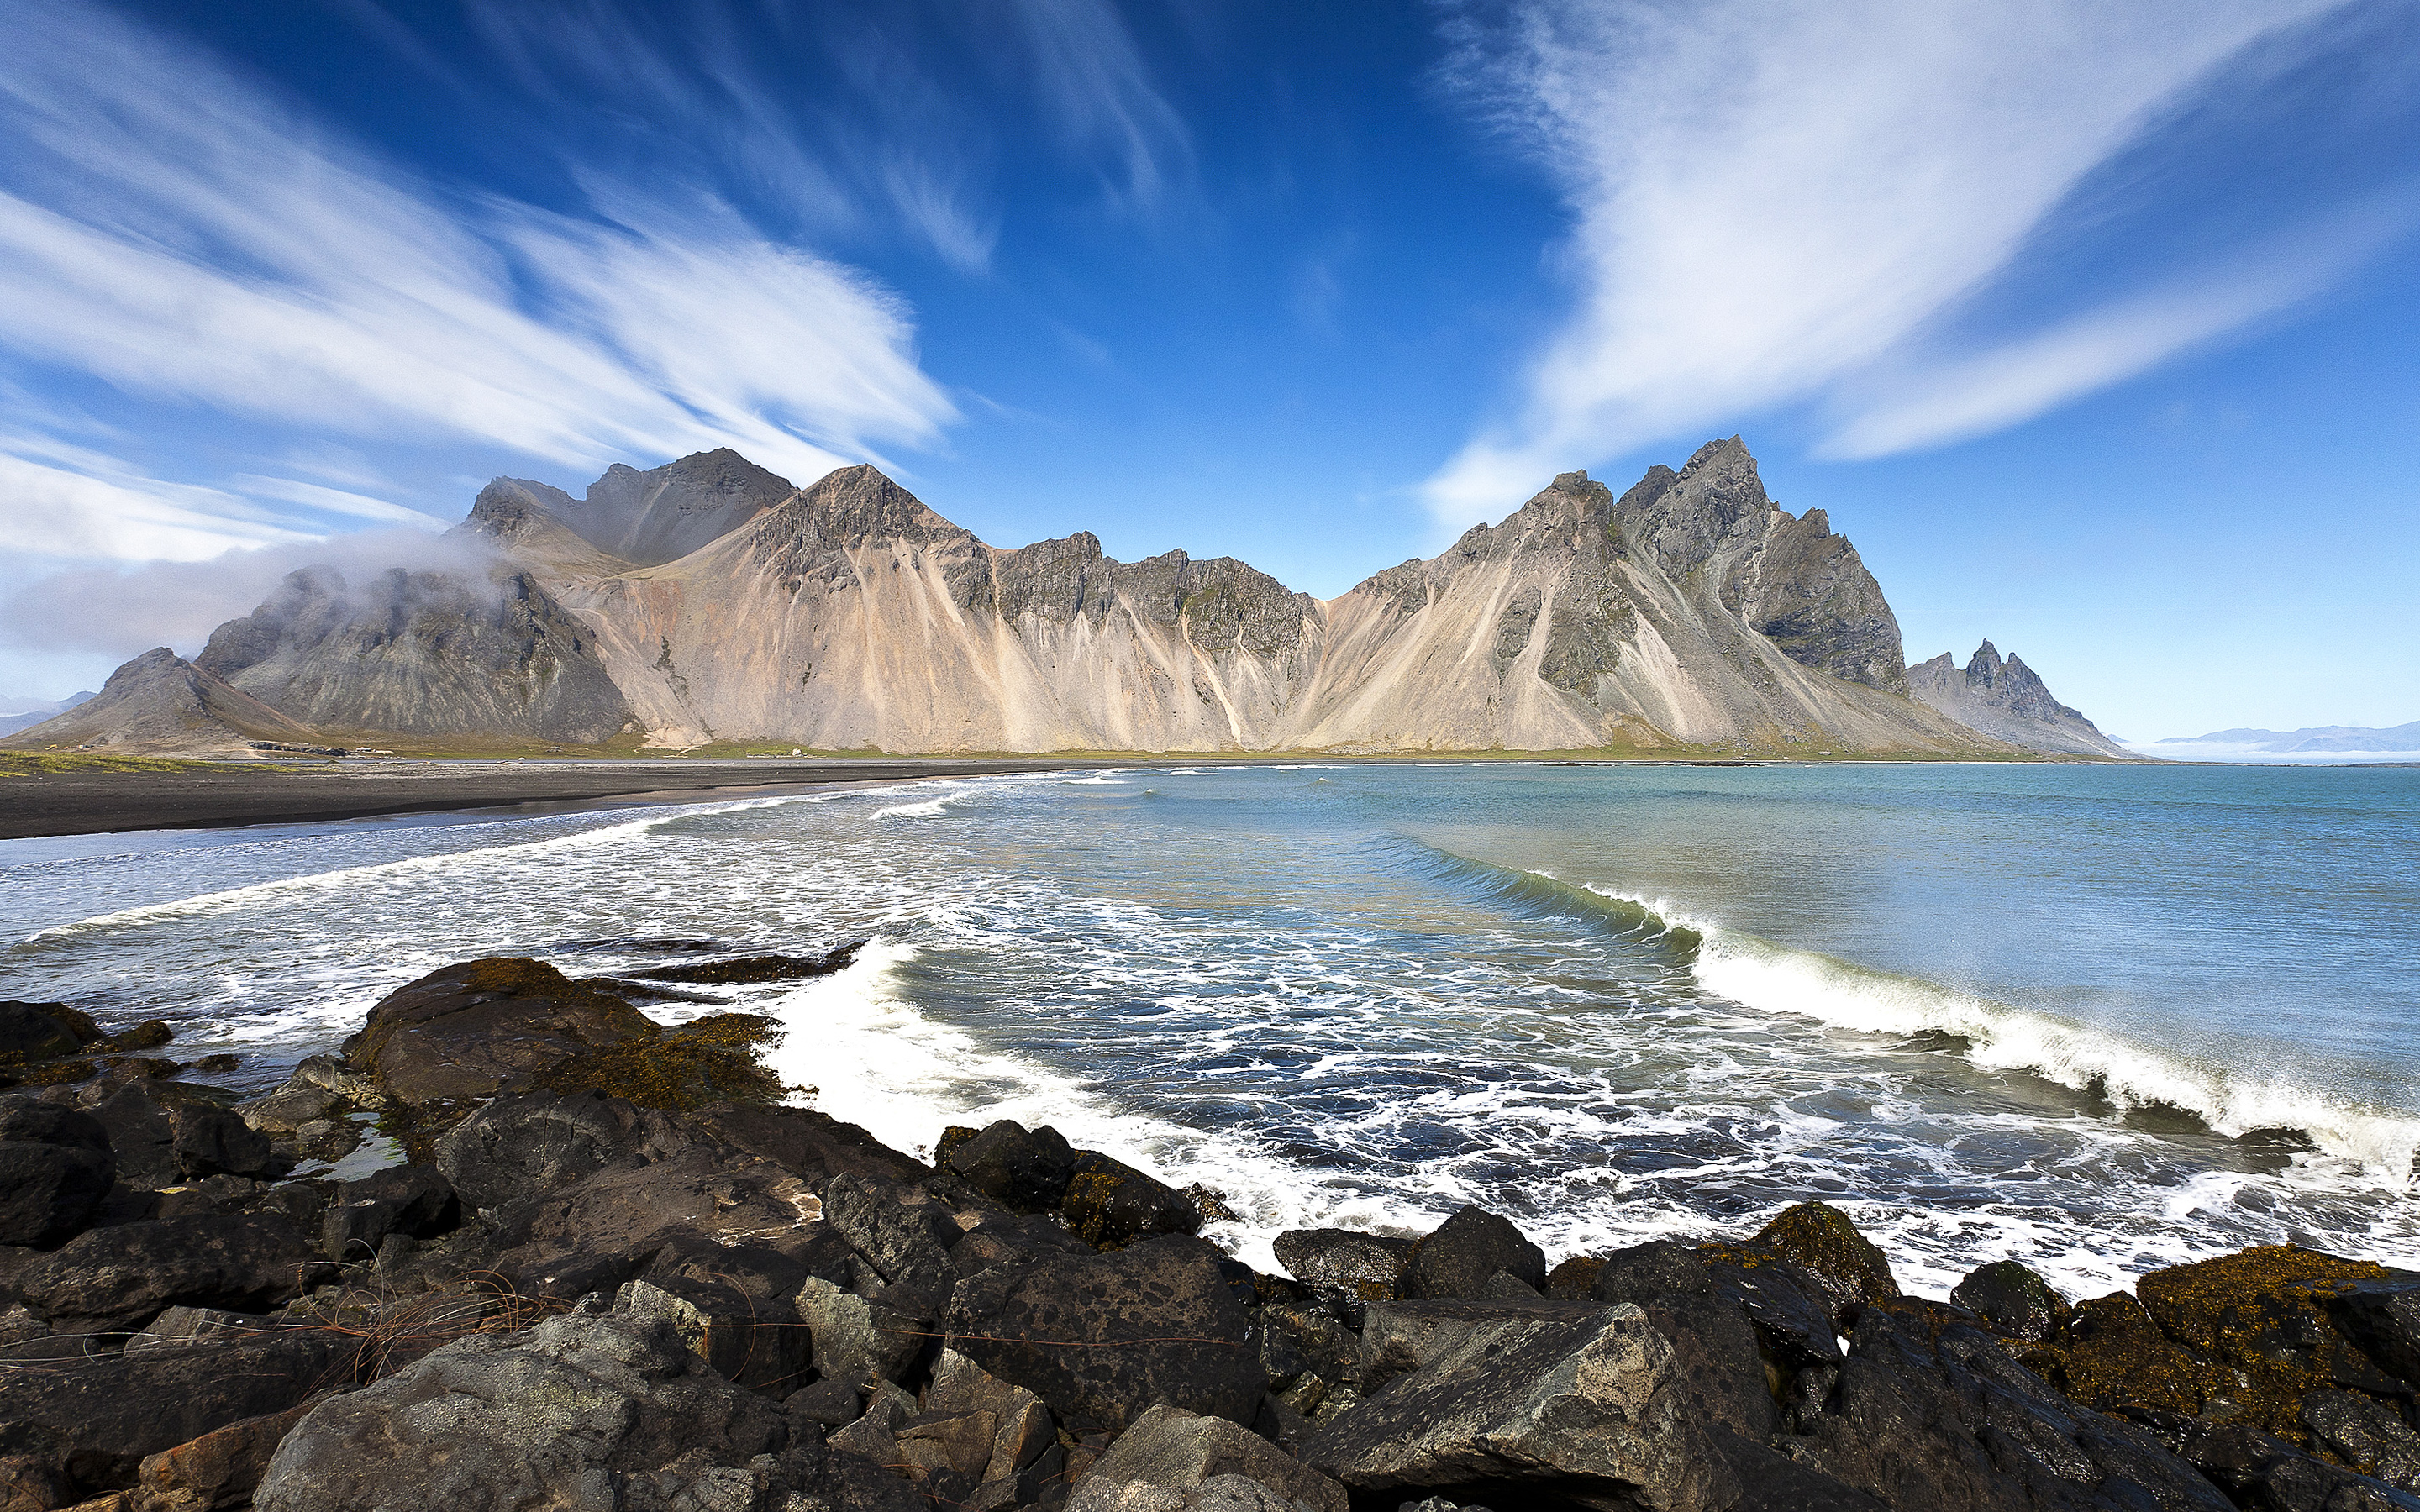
{"x":616,"y":1270}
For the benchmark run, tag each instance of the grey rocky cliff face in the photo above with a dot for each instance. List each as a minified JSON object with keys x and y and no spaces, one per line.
{"x":641,"y":518}
{"x":2007,"y":701}
{"x":1691,"y":610}
{"x":421,"y":653}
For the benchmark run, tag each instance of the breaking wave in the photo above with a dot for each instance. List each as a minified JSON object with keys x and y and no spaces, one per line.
{"x":1771,"y":978}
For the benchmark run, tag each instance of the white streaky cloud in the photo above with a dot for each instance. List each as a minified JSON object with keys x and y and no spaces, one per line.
{"x":337,"y":501}
{"x":1773,"y":196}
{"x":57,"y":512}
{"x":2016,"y":381}
{"x":1095,"y":81}
{"x":122,"y":609}
{"x":169,"y":227}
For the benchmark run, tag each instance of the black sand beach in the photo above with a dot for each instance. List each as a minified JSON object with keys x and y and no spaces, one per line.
{"x":204,"y":797}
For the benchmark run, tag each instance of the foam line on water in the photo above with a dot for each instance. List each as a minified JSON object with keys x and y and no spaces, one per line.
{"x":234,"y":898}
{"x":1777,"y":978}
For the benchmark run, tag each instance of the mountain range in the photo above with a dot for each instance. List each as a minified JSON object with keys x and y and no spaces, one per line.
{"x":708,"y":600}
{"x":24,"y":713}
{"x":2329,"y":737}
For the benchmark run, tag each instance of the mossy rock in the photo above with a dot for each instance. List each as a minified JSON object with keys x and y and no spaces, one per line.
{"x":1819,"y":1239}
{"x":709,"y":1061}
{"x":1574,"y":1279}
{"x":2110,"y":1355}
{"x":2264,"y":1312}
{"x":951,"y":1137}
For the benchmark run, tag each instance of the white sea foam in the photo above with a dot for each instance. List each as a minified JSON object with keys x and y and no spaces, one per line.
{"x":930,"y":808}
{"x":233,"y":898}
{"x":1094,"y":782}
{"x":878,"y":1061}
{"x":1781,"y":979}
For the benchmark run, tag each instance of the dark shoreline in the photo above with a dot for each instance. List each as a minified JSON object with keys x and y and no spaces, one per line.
{"x":55,"y":804}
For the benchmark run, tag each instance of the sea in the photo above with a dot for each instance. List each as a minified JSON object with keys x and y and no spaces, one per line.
{"x":2099,"y":1019}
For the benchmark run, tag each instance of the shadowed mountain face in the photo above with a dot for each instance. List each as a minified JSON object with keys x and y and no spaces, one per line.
{"x":2006,"y":701}
{"x":421,"y":653}
{"x":708,"y":600}
{"x":639,"y":519}
{"x":159,"y":701}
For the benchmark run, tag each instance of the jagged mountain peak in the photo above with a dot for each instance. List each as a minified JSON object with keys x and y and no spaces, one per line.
{"x":2005,"y":699}
{"x":633,"y":517}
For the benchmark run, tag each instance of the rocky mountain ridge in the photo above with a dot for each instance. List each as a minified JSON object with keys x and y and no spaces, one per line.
{"x":708,"y":600}
{"x":2005,"y":700}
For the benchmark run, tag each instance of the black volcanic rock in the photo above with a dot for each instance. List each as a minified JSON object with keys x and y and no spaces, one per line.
{"x":1469,"y":1248}
{"x":2015,"y":1302}
{"x":123,"y":1276}
{"x":1367,"y":1267}
{"x":97,"y":1417}
{"x":1102,"y":1338}
{"x":55,"y":1169}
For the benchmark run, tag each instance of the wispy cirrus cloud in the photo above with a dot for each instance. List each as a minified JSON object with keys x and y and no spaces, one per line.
{"x":1789,"y":203}
{"x":172,"y":228}
{"x":1094,"y":82}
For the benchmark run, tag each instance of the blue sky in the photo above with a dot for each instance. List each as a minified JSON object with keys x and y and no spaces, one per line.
{"x":2093,"y":326}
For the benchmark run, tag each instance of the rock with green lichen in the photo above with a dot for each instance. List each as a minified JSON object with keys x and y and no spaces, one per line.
{"x":1820,"y":1239}
{"x":2016,"y":1303}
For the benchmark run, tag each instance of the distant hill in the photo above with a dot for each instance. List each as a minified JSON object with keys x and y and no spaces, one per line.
{"x":2324,"y":737}
{"x":24,"y":713}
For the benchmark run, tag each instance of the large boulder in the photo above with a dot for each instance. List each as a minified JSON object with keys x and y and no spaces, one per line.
{"x":1547,"y":1403}
{"x":414,"y":1200}
{"x":2261,"y":1470}
{"x":1466,"y":1253}
{"x":1363,"y":1267}
{"x":814,"y":1146}
{"x":1819,"y":1239}
{"x":1930,"y":1411}
{"x":41,"y":1031}
{"x":903,"y":1231}
{"x":1024,"y":1170}
{"x":219,"y":1470}
{"x":1101,"y":1339}
{"x":163,"y":1133}
{"x":976,"y":1440}
{"x":479,"y":1028}
{"x":1172,"y":1448}
{"x":606,"y":1229}
{"x":528,"y":1145}
{"x":122,"y":1276}
{"x":2014,"y":1300}
{"x":608,"y":1411}
{"x":95,"y":1418}
{"x":55,"y":1169}
{"x":1112,"y":1204}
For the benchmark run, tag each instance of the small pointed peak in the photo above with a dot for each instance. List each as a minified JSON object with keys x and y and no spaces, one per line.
{"x":1987,"y":652}
{"x":1570,"y":479}
{"x":1817,"y":524}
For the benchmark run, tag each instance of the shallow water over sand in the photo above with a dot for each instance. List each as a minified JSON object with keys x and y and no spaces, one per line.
{"x":2100,"y":1019}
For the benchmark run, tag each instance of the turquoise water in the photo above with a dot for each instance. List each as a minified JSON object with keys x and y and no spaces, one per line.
{"x":2097,"y":1018}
